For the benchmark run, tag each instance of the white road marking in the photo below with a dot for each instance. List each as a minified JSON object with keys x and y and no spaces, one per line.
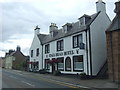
{"x":17,"y":71}
{"x":19,"y":74}
{"x":27,"y":83}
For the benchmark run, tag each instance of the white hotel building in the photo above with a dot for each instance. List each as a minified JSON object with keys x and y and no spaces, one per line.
{"x":77,"y":47}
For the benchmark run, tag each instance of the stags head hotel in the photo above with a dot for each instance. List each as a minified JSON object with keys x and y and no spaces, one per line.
{"x":77,"y":47}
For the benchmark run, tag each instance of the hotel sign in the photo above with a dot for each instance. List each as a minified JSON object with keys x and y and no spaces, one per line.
{"x":71,"y":52}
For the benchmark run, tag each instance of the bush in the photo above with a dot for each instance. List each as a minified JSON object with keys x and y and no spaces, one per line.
{"x":83,"y":76}
{"x":42,"y":71}
{"x":56,"y":73}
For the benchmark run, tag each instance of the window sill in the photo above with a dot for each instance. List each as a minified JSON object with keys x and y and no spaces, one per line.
{"x":59,"y":50}
{"x":78,"y":70}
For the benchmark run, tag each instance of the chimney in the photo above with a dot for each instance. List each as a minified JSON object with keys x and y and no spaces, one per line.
{"x":37,"y":30}
{"x":117,"y":9}
{"x":10,"y":51}
{"x":53,"y":27}
{"x":100,"y":6}
{"x":18,"y":48}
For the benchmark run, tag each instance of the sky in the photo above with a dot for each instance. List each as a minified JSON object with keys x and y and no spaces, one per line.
{"x":18,"y":18}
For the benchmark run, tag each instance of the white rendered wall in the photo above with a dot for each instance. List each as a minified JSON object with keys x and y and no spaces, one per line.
{"x":8,"y":62}
{"x":98,"y":41}
{"x":36,"y":44}
{"x":68,"y":46}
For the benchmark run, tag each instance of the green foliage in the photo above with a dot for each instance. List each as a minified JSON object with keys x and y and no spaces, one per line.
{"x":83,"y":75}
{"x":56,"y":73}
{"x":20,"y":66}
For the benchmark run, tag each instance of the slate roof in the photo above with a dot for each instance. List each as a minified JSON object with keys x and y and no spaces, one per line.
{"x":75,"y":29}
{"x":115,"y":25}
{"x":12,"y":53}
{"x":41,"y":37}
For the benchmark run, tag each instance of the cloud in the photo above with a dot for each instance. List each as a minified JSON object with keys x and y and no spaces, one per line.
{"x":15,"y":40}
{"x":19,"y":17}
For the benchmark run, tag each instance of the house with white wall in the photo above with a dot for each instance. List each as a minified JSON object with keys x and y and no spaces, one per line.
{"x":9,"y":58}
{"x":76,"y":47}
{"x":15,"y":59}
{"x":36,"y":51}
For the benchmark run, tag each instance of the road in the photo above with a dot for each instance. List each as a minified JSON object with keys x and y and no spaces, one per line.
{"x":21,"y":79}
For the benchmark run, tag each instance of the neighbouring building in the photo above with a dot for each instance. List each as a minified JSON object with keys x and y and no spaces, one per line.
{"x":27,"y":63}
{"x":113,"y":46}
{"x":15,"y":59}
{"x":76,"y":47}
{"x":2,"y":62}
{"x":9,"y":58}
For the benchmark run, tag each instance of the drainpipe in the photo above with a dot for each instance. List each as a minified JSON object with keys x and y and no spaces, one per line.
{"x":42,"y":56}
{"x":87,"y":53}
{"x":90,"y":52}
{"x":111,"y":46}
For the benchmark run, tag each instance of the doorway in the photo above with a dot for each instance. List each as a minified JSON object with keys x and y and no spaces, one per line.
{"x":68,"y":64}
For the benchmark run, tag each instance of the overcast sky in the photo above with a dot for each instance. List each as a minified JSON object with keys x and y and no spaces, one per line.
{"x":19,"y":18}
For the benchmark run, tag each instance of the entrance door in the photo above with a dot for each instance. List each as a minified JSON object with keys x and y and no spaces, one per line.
{"x":68,"y":64}
{"x":53,"y":67}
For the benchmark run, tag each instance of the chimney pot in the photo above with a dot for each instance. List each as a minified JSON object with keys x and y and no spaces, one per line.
{"x":117,"y":9}
{"x":37,"y":30}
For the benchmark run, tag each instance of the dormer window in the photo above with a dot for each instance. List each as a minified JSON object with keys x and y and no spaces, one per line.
{"x":67,"y":27}
{"x":84,"y":19}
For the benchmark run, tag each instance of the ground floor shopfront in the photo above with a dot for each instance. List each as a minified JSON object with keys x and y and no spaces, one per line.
{"x":69,"y":65}
{"x":34,"y":66}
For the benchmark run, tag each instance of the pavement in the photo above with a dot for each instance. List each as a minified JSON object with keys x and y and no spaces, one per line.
{"x":91,"y":84}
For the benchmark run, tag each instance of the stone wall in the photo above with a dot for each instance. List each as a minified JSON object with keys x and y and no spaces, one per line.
{"x":19,"y":60}
{"x":113,"y":55}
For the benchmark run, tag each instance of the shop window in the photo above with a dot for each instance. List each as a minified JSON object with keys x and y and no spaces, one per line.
{"x":61,"y":63}
{"x":78,"y":63}
{"x":35,"y":66}
{"x":47,"y":65}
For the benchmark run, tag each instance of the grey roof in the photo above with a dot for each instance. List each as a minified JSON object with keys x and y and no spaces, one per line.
{"x":41,"y":37}
{"x":75,"y":29}
{"x":12,"y":53}
{"x":85,"y":15}
{"x":115,"y":25}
